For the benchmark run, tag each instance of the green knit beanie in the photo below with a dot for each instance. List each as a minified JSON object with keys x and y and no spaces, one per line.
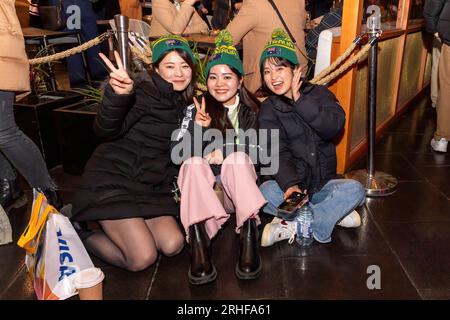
{"x":280,"y":46}
{"x":169,"y":42}
{"x":225,"y":53}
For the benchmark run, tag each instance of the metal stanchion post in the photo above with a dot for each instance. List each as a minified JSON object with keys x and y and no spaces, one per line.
{"x":122,"y":24}
{"x":377,"y":183}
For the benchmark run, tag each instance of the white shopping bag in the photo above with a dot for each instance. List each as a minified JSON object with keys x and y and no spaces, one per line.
{"x":55,"y":256}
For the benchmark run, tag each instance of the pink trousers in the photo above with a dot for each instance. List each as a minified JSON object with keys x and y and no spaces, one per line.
{"x":199,"y":201}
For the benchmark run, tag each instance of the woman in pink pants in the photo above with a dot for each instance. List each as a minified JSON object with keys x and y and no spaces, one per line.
{"x":225,"y":109}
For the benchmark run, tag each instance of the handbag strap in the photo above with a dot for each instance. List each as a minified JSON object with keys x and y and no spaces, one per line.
{"x":287,"y":29}
{"x":282,"y":21}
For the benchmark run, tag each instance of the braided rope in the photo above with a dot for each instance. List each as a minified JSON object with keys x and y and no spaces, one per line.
{"x":327,"y":79}
{"x":71,"y":52}
{"x":337,"y":62}
{"x":143,"y":56}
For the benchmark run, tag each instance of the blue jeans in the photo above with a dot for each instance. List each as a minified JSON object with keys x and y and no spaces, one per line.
{"x":21,"y":152}
{"x":334,"y":201}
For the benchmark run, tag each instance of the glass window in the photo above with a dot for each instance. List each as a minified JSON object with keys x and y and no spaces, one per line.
{"x":415,"y":13}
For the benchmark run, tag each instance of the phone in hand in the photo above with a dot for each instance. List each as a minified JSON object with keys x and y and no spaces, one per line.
{"x":287,"y":209}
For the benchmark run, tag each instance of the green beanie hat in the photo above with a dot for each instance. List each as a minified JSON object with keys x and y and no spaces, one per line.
{"x":169,"y":42}
{"x":225,"y":53}
{"x":280,"y":46}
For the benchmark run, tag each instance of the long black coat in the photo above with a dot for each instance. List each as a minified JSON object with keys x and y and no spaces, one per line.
{"x":131,"y":174}
{"x":437,"y":18}
{"x":307,"y":155}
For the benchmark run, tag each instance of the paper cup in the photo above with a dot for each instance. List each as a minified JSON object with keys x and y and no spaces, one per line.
{"x":89,"y":283}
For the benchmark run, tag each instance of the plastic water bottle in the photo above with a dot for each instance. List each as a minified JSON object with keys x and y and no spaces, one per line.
{"x":304,"y":226}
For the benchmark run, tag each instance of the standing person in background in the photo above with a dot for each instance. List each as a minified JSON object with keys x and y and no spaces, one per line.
{"x":254,"y":24}
{"x":15,"y":146}
{"x":436,"y":54}
{"x":317,"y":8}
{"x":131,"y":8}
{"x":437,"y":19}
{"x":176,"y":17}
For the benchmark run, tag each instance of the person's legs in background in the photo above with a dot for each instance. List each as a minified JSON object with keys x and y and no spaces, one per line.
{"x":11,"y":196}
{"x":434,"y":87}
{"x":22,"y":153}
{"x":442,"y":134}
{"x":88,"y":30}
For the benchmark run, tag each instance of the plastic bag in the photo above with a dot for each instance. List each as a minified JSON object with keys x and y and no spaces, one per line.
{"x":56,"y":259}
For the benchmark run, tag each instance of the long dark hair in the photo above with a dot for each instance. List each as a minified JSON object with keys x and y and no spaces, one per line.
{"x":188,"y":93}
{"x":277,"y":61}
{"x":219,"y":118}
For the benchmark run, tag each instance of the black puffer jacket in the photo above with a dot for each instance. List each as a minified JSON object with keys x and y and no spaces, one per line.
{"x":437,"y":18}
{"x":131,"y":174}
{"x":307,"y":155}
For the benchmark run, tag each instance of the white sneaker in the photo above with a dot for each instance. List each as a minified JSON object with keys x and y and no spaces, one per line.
{"x":352,"y":220}
{"x":278,"y":230}
{"x":439,"y":145}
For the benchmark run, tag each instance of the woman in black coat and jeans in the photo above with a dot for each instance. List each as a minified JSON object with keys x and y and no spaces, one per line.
{"x":126,"y":185}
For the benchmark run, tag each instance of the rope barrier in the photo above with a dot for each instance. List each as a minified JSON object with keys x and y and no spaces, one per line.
{"x":67,"y":53}
{"x":323,"y":78}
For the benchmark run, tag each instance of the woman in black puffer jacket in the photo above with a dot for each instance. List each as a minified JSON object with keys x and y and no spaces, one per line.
{"x":126,"y":185}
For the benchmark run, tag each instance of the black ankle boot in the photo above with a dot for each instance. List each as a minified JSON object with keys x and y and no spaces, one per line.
{"x":201,"y":270}
{"x":11,"y":196}
{"x":249,"y":263}
{"x":53,"y":198}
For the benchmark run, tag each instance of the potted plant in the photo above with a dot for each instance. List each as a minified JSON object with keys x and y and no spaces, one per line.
{"x":75,"y":135}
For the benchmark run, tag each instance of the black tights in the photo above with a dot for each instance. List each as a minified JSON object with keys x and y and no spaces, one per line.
{"x":133,"y":244}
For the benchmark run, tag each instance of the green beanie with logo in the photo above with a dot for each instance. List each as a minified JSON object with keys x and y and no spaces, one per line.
{"x":280,"y":46}
{"x":169,"y":42}
{"x":225,"y":53}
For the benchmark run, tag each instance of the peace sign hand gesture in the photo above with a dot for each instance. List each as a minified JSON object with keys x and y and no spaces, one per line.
{"x":201,"y":117}
{"x":119,"y":80}
{"x":297,"y":83}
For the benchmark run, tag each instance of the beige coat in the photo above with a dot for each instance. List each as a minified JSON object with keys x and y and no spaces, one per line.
{"x":14,"y":64}
{"x":167,"y":19}
{"x":131,"y":8}
{"x":254,"y":25}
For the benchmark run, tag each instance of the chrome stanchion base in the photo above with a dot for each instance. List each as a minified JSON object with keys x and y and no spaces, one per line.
{"x":379,"y":185}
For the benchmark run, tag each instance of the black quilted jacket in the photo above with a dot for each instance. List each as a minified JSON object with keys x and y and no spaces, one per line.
{"x":307,"y":155}
{"x":131,"y":173}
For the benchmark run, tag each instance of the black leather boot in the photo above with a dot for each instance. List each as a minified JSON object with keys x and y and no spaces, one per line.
{"x":53,"y":198}
{"x":11,"y":196}
{"x":249,"y":263}
{"x":201,"y":270}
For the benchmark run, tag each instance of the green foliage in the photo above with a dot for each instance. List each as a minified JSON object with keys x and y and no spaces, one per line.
{"x":201,"y":65}
{"x":90,"y":93}
{"x":39,"y":75}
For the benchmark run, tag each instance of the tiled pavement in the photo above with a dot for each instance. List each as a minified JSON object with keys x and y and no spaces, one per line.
{"x":407,"y":235}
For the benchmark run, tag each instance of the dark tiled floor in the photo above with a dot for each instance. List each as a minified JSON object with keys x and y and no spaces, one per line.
{"x":407,"y":235}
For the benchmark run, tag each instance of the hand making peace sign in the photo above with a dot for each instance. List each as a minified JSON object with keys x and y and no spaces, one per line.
{"x":201,"y":117}
{"x":297,"y":82}
{"x":119,"y":80}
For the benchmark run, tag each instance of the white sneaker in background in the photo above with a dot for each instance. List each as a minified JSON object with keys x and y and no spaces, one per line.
{"x":278,"y":230}
{"x":439,"y":145}
{"x":352,"y":220}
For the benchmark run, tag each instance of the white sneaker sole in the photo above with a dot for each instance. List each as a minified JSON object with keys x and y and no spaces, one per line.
{"x":265,"y":237}
{"x":438,"y":148}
